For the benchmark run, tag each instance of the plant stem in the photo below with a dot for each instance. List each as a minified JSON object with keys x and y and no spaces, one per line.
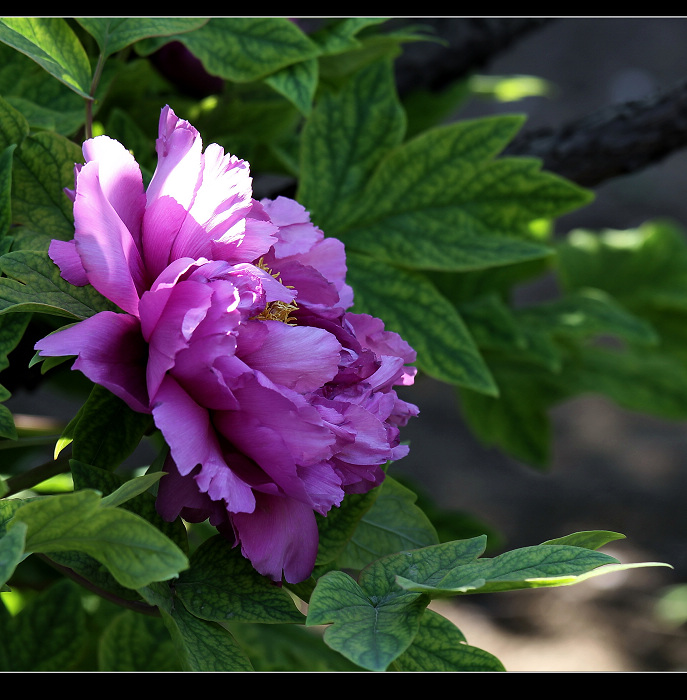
{"x":24,"y":481}
{"x":88,"y":127}
{"x":136,"y":605}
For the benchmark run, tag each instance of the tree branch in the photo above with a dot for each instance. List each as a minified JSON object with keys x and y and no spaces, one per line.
{"x":616,"y":140}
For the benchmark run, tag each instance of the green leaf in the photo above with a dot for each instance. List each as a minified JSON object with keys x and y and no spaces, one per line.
{"x":336,"y":530}
{"x":53,"y":45}
{"x":130,"y":489}
{"x":440,"y":646}
{"x":297,"y":83}
{"x":13,"y":125}
{"x":115,"y":33}
{"x":368,"y":629}
{"x":49,"y":634}
{"x":288,"y":648}
{"x":439,"y":201}
{"x":133,"y":550}
{"x":242,"y":49}
{"x":339,"y":35}
{"x":528,"y":567}
{"x":402,"y":298}
{"x":45,"y":102}
{"x":203,"y":645}
{"x":11,"y":552}
{"x":347,"y":135}
{"x":33,"y":283}
{"x":393,"y":524}
{"x":221,"y":585}
{"x":108,"y":483}
{"x":106,"y":431}
{"x":6,"y":189}
{"x":590,"y":539}
{"x":133,"y":642}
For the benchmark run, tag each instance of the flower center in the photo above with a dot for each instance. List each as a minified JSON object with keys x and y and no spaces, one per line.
{"x":276,"y":310}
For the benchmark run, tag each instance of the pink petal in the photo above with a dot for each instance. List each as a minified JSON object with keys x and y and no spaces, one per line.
{"x":298,"y":357}
{"x":279,"y":538}
{"x":192,"y":440}
{"x":106,"y":247}
{"x":110,"y":351}
{"x":65,"y":256}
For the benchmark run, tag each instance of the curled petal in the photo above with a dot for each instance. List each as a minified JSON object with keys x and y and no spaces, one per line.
{"x":110,"y":352}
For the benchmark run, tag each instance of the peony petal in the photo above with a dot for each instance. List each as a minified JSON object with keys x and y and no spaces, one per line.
{"x":65,"y":256}
{"x":110,"y":351}
{"x":193,"y":441}
{"x":121,"y":181}
{"x":279,"y":538}
{"x":297,"y":357}
{"x":106,"y":247}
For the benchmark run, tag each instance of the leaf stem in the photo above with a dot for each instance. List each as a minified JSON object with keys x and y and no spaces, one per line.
{"x":88,"y":127}
{"x":24,"y":481}
{"x":135,"y":605}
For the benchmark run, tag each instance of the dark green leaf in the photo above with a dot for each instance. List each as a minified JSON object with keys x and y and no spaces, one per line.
{"x":371,"y":630}
{"x":134,"y":642}
{"x":203,"y":645}
{"x":413,"y":307}
{"x":221,"y":585}
{"x":48,"y":634}
{"x":115,"y":33}
{"x":440,"y":646}
{"x":53,"y":45}
{"x":393,"y":524}
{"x":133,"y":550}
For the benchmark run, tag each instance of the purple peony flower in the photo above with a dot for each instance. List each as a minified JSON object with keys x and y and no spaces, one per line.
{"x":274,"y":400}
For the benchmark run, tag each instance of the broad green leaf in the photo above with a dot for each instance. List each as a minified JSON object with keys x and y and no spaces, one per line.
{"x":394,"y":523}
{"x":141,"y":503}
{"x":517,"y":420}
{"x":288,"y":648}
{"x":107,"y":430}
{"x":412,"y":306}
{"x":49,"y":634}
{"x":50,"y":42}
{"x":528,"y":567}
{"x":204,"y":645}
{"x":45,"y":102}
{"x":221,"y":585}
{"x":440,"y":202}
{"x":339,"y":35}
{"x":6,"y":189}
{"x":297,"y":83}
{"x":440,"y":646}
{"x":590,"y":539}
{"x":33,"y":283}
{"x":7,"y":428}
{"x":348,"y":133}
{"x":370,"y":630}
{"x":130,"y":489}
{"x":133,"y":550}
{"x":134,"y":642}
{"x":43,"y":167}
{"x":336,"y":530}
{"x":588,"y":312}
{"x":242,"y":49}
{"x":13,"y":125}
{"x":115,"y":33}
{"x":11,"y":551}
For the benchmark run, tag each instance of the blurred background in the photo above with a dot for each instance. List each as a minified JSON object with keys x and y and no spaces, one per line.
{"x":611,"y":469}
